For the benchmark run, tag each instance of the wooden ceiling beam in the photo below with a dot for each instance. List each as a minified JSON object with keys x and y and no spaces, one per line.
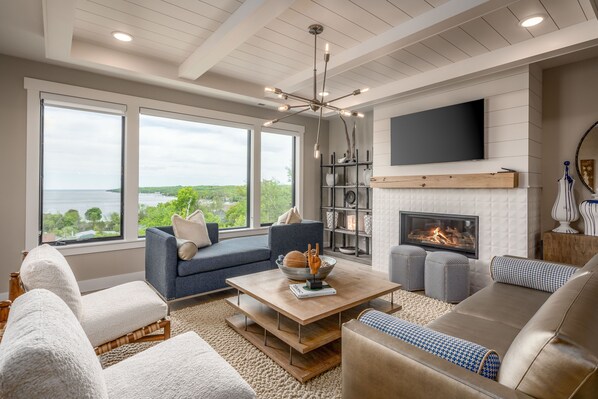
{"x":59,"y":20}
{"x":444,"y":17}
{"x":246,"y":21}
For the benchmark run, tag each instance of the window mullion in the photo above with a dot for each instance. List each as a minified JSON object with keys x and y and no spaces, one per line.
{"x":256,"y":176}
{"x":131,"y":173}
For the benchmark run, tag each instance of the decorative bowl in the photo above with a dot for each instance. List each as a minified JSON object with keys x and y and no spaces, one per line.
{"x":302,"y":273}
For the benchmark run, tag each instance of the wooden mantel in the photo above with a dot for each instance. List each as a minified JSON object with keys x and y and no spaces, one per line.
{"x":475,"y":180}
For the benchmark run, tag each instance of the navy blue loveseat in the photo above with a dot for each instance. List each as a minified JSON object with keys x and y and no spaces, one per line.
{"x":207,"y":271}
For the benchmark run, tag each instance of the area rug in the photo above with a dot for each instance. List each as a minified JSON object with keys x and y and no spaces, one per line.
{"x":266,"y":377}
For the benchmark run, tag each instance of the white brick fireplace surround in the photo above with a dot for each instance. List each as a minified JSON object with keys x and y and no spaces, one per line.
{"x":509,"y":219}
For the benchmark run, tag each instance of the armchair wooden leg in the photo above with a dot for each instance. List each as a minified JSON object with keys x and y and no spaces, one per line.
{"x":15,"y":288}
{"x":167,"y":330}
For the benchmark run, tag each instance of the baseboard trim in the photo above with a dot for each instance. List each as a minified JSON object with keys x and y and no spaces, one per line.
{"x":101,"y":283}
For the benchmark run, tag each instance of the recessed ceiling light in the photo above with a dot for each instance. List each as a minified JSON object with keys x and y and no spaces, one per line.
{"x":122,"y":36}
{"x":531,"y":21}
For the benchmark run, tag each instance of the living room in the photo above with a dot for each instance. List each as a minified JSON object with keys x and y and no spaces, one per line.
{"x":536,"y":83}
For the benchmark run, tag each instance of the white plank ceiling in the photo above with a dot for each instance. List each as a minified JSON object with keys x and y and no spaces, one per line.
{"x":375,"y":43}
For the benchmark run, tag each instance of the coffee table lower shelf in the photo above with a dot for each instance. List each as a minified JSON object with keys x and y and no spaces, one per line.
{"x":276,"y":335}
{"x":301,"y":366}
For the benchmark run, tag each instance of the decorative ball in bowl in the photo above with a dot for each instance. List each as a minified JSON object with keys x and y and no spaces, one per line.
{"x":302,"y":273}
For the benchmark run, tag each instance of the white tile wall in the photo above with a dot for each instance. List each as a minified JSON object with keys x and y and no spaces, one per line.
{"x":504,"y":224}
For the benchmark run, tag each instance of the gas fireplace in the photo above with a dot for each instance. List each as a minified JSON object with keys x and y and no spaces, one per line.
{"x":440,"y":232}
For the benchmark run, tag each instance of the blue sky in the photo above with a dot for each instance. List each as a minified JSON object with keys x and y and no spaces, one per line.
{"x":82,"y":151}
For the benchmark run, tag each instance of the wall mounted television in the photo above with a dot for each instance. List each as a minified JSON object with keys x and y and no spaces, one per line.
{"x":447,"y":134}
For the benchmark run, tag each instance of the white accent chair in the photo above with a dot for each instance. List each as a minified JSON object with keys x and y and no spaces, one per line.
{"x":124,"y":314}
{"x":46,"y":354}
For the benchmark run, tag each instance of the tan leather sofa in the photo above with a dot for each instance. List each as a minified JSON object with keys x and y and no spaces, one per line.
{"x":547,"y":343}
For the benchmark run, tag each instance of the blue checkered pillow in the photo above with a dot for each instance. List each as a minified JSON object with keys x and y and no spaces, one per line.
{"x":463,"y":353}
{"x":530,"y":273}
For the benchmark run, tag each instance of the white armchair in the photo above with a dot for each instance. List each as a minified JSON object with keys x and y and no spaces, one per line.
{"x":46,"y":354}
{"x":127,"y":313}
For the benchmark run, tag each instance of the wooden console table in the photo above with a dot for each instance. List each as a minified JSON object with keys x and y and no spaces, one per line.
{"x":574,"y":249}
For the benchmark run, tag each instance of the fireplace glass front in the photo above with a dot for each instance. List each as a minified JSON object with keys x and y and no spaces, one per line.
{"x":440,"y":232}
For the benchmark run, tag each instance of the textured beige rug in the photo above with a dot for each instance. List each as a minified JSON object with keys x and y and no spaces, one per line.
{"x":266,"y":377}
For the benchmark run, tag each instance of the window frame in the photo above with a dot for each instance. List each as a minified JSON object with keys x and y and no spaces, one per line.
{"x":214,"y":122}
{"x":74,"y":104}
{"x":270,"y":130}
{"x":131,"y":161}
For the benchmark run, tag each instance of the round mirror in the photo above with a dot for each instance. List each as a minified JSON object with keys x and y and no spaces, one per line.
{"x":587,"y":157}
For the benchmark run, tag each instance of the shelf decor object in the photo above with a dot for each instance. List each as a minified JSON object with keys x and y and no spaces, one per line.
{"x":564,"y":209}
{"x":315,"y":104}
{"x":589,"y":212}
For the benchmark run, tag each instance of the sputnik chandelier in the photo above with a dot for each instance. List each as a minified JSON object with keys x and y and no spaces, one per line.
{"x":314,"y":104}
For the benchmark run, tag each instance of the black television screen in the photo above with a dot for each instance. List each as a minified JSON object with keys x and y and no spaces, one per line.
{"x":447,"y":134}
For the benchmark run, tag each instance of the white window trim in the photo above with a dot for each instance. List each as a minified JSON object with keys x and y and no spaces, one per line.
{"x":133,"y":105}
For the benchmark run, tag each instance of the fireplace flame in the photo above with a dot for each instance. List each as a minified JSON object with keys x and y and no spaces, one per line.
{"x":448,"y":236}
{"x":439,"y":237}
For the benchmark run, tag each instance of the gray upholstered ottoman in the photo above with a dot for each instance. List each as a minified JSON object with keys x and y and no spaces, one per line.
{"x":407,"y":267}
{"x":447,"y":276}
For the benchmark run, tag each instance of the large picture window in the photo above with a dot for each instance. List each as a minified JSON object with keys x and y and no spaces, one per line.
{"x":187,"y":164}
{"x":81,"y":171}
{"x":278,"y":176}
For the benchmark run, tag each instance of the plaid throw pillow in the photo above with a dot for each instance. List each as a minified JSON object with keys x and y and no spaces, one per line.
{"x":468,"y":355}
{"x":530,"y":273}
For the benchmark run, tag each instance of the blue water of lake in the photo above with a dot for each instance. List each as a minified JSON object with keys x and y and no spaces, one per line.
{"x":81,"y":200}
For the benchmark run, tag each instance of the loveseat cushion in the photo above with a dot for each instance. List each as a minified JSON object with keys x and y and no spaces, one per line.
{"x":226,"y":253}
{"x":488,"y":333}
{"x":509,"y":304}
{"x":531,"y":273}
{"x":185,"y":366}
{"x":116,"y":311}
{"x":45,"y":353}
{"x":45,"y":267}
{"x":556,"y":354}
{"x":468,"y":355}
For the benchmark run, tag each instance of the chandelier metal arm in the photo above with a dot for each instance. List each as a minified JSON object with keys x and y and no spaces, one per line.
{"x":289,"y":115}
{"x":353,"y":93}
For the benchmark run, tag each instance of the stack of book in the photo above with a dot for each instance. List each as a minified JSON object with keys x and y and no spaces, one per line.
{"x":302,"y":291}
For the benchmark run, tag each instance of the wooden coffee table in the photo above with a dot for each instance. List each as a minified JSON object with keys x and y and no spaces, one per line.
{"x":303,"y":335}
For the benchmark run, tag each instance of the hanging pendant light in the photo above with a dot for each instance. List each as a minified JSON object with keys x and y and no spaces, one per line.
{"x":314,"y":104}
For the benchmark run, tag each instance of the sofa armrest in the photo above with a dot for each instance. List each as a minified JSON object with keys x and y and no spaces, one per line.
{"x":213,"y":232}
{"x":161,"y":259}
{"x":285,"y":238}
{"x":377,"y":365}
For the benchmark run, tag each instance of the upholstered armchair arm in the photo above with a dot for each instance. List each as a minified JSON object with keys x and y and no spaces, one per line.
{"x":289,"y":237}
{"x":376,"y":365}
{"x":161,"y":261}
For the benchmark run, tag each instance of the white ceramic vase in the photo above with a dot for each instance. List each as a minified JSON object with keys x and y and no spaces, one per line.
{"x":367,"y":222}
{"x":589,"y":212}
{"x":367,"y":175}
{"x":332,"y":219}
{"x":564,"y":209}
{"x":331,"y":179}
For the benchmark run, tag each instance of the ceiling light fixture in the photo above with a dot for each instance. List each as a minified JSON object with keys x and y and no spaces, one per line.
{"x":122,"y":36}
{"x":531,"y":21}
{"x":314,"y":104}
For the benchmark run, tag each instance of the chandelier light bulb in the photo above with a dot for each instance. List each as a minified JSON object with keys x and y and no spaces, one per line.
{"x":317,"y":151}
{"x":531,"y":21}
{"x":364,"y":89}
{"x":284,"y":107}
{"x":269,"y":89}
{"x":344,"y":112}
{"x":268,"y":123}
{"x":327,"y":49}
{"x":359,"y":114}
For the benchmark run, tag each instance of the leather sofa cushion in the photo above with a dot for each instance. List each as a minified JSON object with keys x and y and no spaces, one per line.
{"x":509,"y":304}
{"x":556,"y":353}
{"x":226,"y":253}
{"x":488,"y":333}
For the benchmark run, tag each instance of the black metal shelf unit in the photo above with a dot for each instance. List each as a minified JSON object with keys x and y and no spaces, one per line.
{"x":329,"y":200}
